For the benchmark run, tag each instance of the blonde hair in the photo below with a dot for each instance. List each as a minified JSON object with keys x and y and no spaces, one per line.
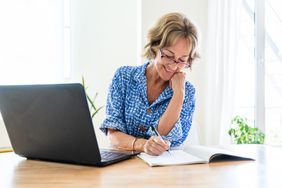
{"x":168,"y":29}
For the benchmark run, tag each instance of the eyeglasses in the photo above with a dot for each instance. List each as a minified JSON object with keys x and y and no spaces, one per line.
{"x":169,"y":59}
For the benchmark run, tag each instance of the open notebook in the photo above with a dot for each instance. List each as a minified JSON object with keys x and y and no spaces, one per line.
{"x":192,"y":155}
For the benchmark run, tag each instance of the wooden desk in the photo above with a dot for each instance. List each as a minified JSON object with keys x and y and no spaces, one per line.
{"x":16,"y":171}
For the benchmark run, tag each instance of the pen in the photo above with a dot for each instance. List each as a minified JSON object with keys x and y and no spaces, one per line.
{"x":158,"y":134}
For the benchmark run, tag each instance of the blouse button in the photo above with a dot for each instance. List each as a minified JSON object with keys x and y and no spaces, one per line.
{"x":149,"y":111}
{"x":142,"y":128}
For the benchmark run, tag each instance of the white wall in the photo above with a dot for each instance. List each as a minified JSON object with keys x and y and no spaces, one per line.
{"x":105,"y":36}
{"x":103,"y":39}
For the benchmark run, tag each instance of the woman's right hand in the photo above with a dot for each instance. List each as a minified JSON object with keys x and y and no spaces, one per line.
{"x":156,"y":146}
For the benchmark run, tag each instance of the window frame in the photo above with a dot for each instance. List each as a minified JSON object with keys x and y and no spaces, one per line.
{"x":259,"y":21}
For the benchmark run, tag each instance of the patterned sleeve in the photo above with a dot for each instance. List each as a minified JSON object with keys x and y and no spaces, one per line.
{"x":115,"y":105}
{"x":179,"y":132}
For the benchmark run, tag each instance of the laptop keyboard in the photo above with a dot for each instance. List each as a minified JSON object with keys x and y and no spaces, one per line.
{"x":107,"y":155}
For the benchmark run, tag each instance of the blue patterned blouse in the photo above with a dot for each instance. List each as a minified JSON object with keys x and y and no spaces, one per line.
{"x":128,"y":110}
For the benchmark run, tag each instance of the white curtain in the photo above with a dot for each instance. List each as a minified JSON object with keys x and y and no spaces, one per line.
{"x":223,"y":38}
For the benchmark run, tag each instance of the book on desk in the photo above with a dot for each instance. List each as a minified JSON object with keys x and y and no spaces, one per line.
{"x":192,"y":155}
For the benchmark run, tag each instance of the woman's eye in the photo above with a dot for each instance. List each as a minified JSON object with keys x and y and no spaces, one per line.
{"x":170,"y":57}
{"x":183,"y":60}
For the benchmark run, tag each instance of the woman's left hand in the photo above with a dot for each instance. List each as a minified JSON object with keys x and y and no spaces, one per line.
{"x":177,"y":82}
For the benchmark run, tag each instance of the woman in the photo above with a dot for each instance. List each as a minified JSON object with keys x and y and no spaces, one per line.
{"x":156,"y":93}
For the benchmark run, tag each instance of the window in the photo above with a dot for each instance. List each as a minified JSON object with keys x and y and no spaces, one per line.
{"x":273,"y":71}
{"x":245,"y":81}
{"x":35,"y":46}
{"x":268,"y":77}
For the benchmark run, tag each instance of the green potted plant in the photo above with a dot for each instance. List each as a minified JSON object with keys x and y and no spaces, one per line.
{"x":91,"y":101}
{"x":242,"y":133}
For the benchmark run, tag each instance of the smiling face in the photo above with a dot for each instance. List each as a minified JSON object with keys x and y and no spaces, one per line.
{"x":179,"y":52}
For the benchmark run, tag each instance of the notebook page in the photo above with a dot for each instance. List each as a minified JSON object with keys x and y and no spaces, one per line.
{"x":206,"y":153}
{"x":175,"y":157}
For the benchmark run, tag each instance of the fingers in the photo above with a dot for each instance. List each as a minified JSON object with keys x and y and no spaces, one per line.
{"x":156,"y":146}
{"x":177,"y":82}
{"x":179,"y":75}
{"x":160,"y":143}
{"x":168,"y":143}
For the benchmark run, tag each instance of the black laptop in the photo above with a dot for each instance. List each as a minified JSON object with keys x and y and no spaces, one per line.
{"x":52,"y":122}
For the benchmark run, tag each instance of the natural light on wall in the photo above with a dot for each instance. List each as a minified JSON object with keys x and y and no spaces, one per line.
{"x":35,"y":44}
